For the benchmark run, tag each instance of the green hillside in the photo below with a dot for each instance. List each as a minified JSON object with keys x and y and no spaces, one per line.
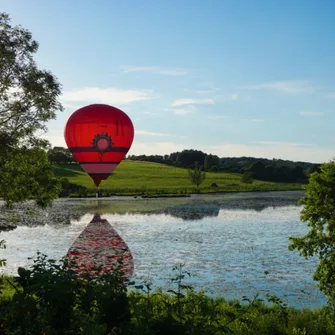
{"x":135,"y":177}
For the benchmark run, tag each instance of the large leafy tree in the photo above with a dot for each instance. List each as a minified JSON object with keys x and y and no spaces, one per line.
{"x":28,"y":99}
{"x":319,"y":212}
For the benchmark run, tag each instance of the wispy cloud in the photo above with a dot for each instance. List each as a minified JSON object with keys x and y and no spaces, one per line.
{"x":106,"y":95}
{"x":167,"y":71}
{"x":311,"y":114}
{"x":219,"y":117}
{"x":234,"y":96}
{"x":184,"y":110}
{"x":253,"y":119}
{"x":155,"y":148}
{"x":149,"y":113}
{"x":291,"y":144}
{"x":281,"y":150}
{"x":70,"y":106}
{"x":150,"y":133}
{"x":185,"y":102}
{"x":201,"y":91}
{"x":286,"y":86}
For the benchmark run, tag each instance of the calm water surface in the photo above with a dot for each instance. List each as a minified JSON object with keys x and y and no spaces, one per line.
{"x":226,"y":242}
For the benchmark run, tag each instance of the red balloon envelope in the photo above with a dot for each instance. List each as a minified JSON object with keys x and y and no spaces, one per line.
{"x":99,"y":136}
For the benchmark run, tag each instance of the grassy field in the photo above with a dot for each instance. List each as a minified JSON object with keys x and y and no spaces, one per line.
{"x":135,"y":177}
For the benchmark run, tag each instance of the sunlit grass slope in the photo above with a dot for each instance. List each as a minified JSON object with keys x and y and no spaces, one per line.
{"x":146,"y":176}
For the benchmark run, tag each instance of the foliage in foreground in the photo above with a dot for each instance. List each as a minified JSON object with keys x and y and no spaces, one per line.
{"x":319,"y":212}
{"x":50,"y":298}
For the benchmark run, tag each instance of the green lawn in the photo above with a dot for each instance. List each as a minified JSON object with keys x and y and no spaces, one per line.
{"x":146,"y":177}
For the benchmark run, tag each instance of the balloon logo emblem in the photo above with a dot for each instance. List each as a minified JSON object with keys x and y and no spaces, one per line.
{"x":102,"y":142}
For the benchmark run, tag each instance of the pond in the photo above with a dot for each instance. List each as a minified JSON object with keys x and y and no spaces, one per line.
{"x":232,"y":244}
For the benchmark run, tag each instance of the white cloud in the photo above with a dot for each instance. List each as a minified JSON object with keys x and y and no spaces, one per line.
{"x":184,"y":102}
{"x":149,"y":133}
{"x":311,"y":113}
{"x":167,"y":71}
{"x":288,"y":86}
{"x":201,"y":92}
{"x":219,"y":117}
{"x":253,"y":120}
{"x":276,"y":150}
{"x":155,"y":148}
{"x":204,"y":92}
{"x":234,"y":96}
{"x":184,"y":110}
{"x":55,"y":140}
{"x":71,"y":106}
{"x":113,"y":96}
{"x":149,"y":113}
{"x":291,"y":144}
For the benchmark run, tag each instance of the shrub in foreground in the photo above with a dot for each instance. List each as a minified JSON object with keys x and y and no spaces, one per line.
{"x":50,"y":298}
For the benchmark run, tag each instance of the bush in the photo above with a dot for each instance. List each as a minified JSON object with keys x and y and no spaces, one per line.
{"x":51,"y":299}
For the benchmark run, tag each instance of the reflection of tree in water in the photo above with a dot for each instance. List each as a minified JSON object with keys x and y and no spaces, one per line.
{"x":192,"y":211}
{"x":100,"y":245}
{"x":4,"y":228}
{"x":198,"y":210}
{"x":258,"y":204}
{"x":62,"y":212}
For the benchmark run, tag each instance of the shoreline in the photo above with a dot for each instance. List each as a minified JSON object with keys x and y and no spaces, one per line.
{"x":121,"y":204}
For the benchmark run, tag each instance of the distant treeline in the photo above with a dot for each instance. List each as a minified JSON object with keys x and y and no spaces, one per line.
{"x":277,"y":170}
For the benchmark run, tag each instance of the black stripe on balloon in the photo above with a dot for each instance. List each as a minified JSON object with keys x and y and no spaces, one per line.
{"x":99,"y":174}
{"x":90,"y":149}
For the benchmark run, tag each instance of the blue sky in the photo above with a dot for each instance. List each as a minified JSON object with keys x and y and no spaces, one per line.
{"x":232,"y":78}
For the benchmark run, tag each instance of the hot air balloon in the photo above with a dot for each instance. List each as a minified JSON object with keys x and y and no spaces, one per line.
{"x":99,"y":136}
{"x":99,"y":245}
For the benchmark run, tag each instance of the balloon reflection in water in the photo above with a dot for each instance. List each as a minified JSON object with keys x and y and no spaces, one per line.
{"x":99,"y":245}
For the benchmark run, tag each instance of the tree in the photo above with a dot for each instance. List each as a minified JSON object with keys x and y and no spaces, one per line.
{"x":246,"y":178}
{"x":196,"y":176}
{"x":188,"y":158}
{"x":211,"y":161}
{"x":313,"y":168}
{"x":27,"y":174}
{"x":319,"y":212}
{"x":60,"y":155}
{"x":28,"y":99}
{"x":258,"y":170}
